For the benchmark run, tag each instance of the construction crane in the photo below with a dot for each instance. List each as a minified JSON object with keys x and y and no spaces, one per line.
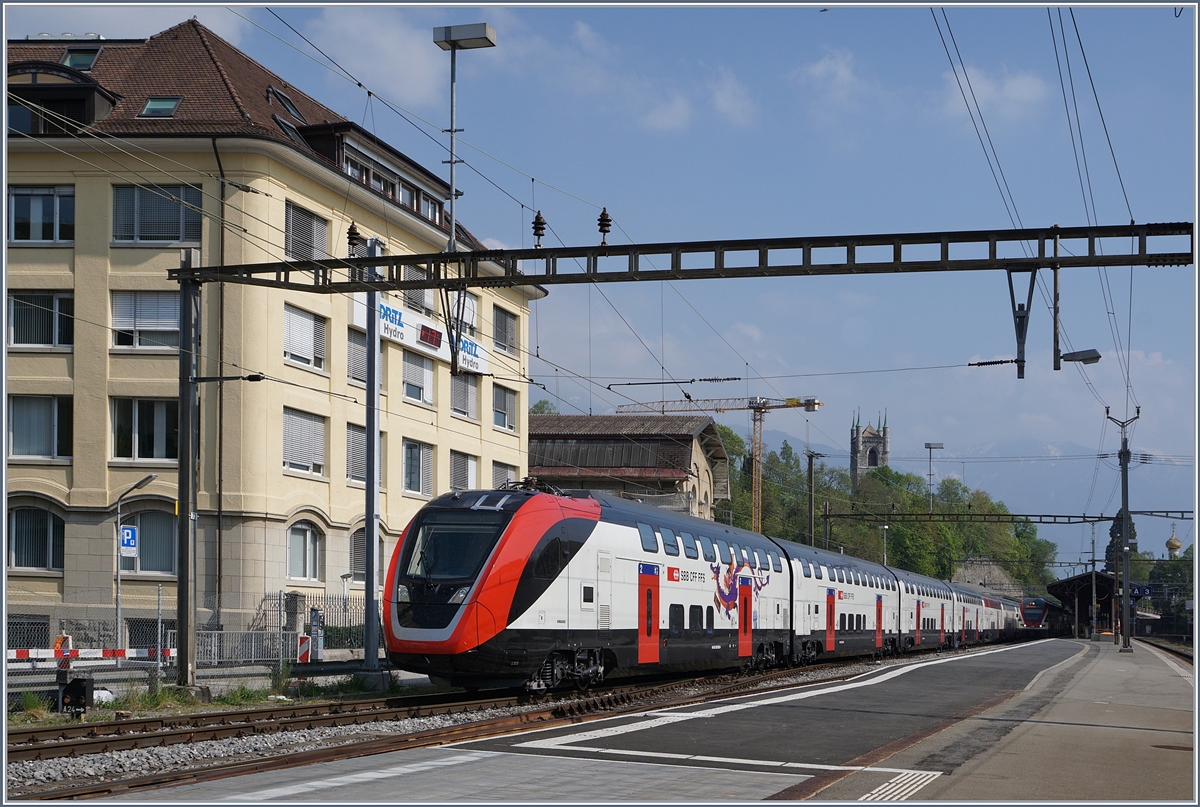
{"x":759,"y":406}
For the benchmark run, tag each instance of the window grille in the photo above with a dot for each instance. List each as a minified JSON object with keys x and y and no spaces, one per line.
{"x":145,"y":318}
{"x":502,"y":473}
{"x":304,"y":337}
{"x":303,"y":441}
{"x":504,"y":408}
{"x":40,"y":426}
{"x":305,"y":234}
{"x":156,"y":213}
{"x":462,"y":471}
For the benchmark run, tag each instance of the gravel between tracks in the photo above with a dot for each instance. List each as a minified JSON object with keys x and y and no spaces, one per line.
{"x":32,"y":776}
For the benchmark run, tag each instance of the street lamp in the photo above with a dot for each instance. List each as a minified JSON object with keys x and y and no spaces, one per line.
{"x":931,"y":447}
{"x":1089,"y":356}
{"x":138,"y":485}
{"x":455,"y":38}
{"x":885,"y":529}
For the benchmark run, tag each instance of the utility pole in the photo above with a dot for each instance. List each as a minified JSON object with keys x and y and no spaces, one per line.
{"x":189,"y":434}
{"x":371,"y":505}
{"x":812,"y":531}
{"x":1126,"y":526}
{"x":931,"y":447}
{"x":1094,"y":604}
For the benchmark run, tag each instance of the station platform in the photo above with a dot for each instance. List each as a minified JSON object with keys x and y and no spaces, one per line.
{"x":1100,"y":726}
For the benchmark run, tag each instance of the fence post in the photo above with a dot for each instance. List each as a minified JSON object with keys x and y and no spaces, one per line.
{"x":157,"y":674}
{"x":281,"y":649}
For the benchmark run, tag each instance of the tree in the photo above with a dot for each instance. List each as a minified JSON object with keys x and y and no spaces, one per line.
{"x":543,"y":406}
{"x":1112,"y":552}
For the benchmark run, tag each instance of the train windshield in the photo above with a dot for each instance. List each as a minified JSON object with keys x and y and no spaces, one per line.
{"x":452,"y":545}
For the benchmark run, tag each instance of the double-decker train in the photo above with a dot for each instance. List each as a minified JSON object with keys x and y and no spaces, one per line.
{"x":528,"y":588}
{"x":1040,"y":617}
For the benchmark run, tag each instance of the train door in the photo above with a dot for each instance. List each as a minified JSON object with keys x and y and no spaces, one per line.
{"x":648,"y":609}
{"x":962,"y":628}
{"x":942,"y":625}
{"x":604,"y":595}
{"x":830,"y":618}
{"x":977,"y":624}
{"x":918,"y":623}
{"x":878,"y":621}
{"x":746,"y":616}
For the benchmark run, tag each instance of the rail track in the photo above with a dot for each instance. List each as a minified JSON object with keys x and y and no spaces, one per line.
{"x":80,"y":740}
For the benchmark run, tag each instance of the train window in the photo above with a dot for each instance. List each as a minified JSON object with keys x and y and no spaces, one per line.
{"x":589,"y":594}
{"x":804,"y":567}
{"x":696,"y":618}
{"x":708,"y":620}
{"x":842,"y":621}
{"x":726,"y":557}
{"x":689,"y":545}
{"x":649,"y":539}
{"x":763,"y":563}
{"x":817,"y":570}
{"x":739,"y":556}
{"x":649,"y":612}
{"x":549,"y":562}
{"x":669,"y":543}
{"x":706,"y":547}
{"x":776,"y":562}
{"x":817,"y":607}
{"x":675,"y":619}
{"x":841,"y":574}
{"x":857,"y":577}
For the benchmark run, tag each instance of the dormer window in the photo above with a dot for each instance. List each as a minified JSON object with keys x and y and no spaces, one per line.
{"x":288,"y":105}
{"x":291,"y":131}
{"x":160,"y":107}
{"x":80,"y":58}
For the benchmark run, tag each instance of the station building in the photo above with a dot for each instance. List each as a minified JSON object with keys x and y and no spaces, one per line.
{"x":676,"y":462}
{"x":122,"y":152}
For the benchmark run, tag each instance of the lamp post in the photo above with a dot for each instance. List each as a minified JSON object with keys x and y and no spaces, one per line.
{"x":885,"y":529}
{"x":455,"y":38}
{"x":138,"y":485}
{"x":931,"y":447}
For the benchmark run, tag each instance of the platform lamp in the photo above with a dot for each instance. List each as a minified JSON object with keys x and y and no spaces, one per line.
{"x":455,"y":38}
{"x":138,"y":485}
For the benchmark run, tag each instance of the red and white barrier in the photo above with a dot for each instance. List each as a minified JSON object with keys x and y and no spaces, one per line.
{"x":108,"y":652}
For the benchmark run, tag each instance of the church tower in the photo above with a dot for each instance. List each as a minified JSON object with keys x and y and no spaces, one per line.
{"x":869,"y":446}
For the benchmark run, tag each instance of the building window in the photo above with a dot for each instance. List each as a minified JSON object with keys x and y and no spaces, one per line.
{"x":418,"y":377}
{"x":504,"y":330}
{"x":431,"y":208}
{"x":356,"y":356}
{"x":43,"y":214}
{"x":157,"y":213}
{"x":504,"y":408}
{"x":357,"y":170}
{"x":470,"y":310}
{"x":382,"y":184}
{"x":40,"y":426}
{"x":303,"y":337}
{"x":157,"y":540}
{"x":43,"y":319}
{"x":145,"y":318}
{"x":502,"y":474}
{"x":464,"y":395}
{"x":145,"y":429}
{"x":303,"y":441}
{"x":418,"y":467}
{"x":35,"y":539}
{"x":419,"y":300}
{"x":287,"y":104}
{"x":47,"y":116}
{"x":358,"y":556}
{"x":356,"y":454}
{"x":80,"y":58}
{"x":305,"y":235}
{"x":462,"y":471}
{"x":408,"y":195}
{"x":304,"y":551}
{"x":160,"y":107}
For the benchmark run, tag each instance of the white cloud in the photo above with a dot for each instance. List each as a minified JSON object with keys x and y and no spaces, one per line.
{"x":835,"y":77}
{"x":1008,"y":97}
{"x":413,"y":74}
{"x":732,"y":99}
{"x":748,"y":330}
{"x":591,"y":42}
{"x":671,"y":115}
{"x":119,"y":22}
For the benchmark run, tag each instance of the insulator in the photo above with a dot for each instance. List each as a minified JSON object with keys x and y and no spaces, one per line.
{"x":605,"y":222}
{"x":539,"y":227}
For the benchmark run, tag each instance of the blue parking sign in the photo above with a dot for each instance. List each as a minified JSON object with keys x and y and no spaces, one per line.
{"x":129,"y":542}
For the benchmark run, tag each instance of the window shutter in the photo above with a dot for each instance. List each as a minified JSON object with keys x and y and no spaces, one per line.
{"x":303,"y":440}
{"x":305,"y":234}
{"x":504,"y":330}
{"x":418,"y":299}
{"x":460,"y":474}
{"x":318,"y":341}
{"x":156,"y":542}
{"x":191,"y":212}
{"x":356,"y":355}
{"x":464,"y":395}
{"x":32,"y":319}
{"x":158,"y":214}
{"x":356,"y":452}
{"x":124,"y":310}
{"x":358,"y":553}
{"x":123,"y":212}
{"x":298,"y":330}
{"x":31,"y":426}
{"x":157,"y":310}
{"x":426,"y":470}
{"x":502,"y":473}
{"x":413,"y":371}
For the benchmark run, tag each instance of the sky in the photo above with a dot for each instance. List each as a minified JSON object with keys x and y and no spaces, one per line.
{"x":729,"y":123}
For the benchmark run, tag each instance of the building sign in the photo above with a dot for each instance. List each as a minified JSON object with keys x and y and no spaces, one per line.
{"x":419,"y":333}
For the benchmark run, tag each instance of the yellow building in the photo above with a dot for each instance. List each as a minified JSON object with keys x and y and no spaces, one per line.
{"x":120,"y":154}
